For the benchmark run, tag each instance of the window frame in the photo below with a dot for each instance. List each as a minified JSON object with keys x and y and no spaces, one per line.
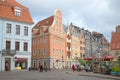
{"x":17,"y":29}
{"x":8,"y":28}
{"x":26,"y":30}
{"x":25,"y":46}
{"x":17,"y":45}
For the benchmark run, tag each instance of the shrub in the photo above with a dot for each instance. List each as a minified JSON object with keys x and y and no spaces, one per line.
{"x":115,"y":69}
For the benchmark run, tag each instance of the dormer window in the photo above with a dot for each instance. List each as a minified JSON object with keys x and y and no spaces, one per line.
{"x":17,"y":11}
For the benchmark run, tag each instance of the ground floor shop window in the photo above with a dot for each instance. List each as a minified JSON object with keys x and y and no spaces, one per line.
{"x":22,"y":65}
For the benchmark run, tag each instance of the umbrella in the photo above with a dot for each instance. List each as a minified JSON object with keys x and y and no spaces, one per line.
{"x":88,"y":58}
{"x":108,"y":57}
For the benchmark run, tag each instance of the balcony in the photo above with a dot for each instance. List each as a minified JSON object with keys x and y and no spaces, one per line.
{"x":68,"y":40}
{"x":8,"y":52}
{"x":23,"y":53}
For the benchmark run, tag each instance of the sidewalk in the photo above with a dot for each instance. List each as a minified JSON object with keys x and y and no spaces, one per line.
{"x":83,"y":73}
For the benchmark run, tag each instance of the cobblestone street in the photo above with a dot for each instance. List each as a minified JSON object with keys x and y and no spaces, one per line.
{"x":51,"y":75}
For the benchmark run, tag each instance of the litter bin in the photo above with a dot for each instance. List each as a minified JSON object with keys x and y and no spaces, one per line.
{"x":30,"y":68}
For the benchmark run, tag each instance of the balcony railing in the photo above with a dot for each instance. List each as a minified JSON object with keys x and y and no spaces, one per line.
{"x":8,"y":52}
{"x":68,"y":40}
{"x":23,"y":53}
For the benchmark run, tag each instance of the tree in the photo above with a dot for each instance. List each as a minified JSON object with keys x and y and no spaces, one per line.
{"x":81,"y":61}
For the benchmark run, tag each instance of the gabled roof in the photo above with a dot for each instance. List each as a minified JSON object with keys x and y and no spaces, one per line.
{"x":115,"y":41}
{"x":46,"y":22}
{"x":7,"y":11}
{"x":97,"y":34}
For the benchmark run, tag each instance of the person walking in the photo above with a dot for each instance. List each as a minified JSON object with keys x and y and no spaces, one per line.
{"x":41,"y":68}
{"x":73,"y":67}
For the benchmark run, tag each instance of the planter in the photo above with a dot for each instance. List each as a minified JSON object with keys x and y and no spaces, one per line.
{"x":115,"y":73}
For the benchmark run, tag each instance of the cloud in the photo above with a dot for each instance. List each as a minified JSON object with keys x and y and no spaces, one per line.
{"x":95,"y":15}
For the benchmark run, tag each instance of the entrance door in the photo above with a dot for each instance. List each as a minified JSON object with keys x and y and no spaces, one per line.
{"x":7,"y":64}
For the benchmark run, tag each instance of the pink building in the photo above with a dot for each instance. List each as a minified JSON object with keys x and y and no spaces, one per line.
{"x":49,"y":42}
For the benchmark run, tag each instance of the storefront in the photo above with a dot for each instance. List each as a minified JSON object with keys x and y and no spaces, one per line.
{"x":21,"y":63}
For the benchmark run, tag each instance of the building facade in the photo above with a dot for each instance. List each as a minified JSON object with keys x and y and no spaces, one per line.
{"x":49,"y":42}
{"x":100,"y":45}
{"x":15,"y":38}
{"x":115,"y":42}
{"x":75,"y":45}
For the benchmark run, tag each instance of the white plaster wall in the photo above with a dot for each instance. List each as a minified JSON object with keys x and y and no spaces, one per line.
{"x":12,"y":64}
{"x":13,"y":38}
{"x":1,"y":33}
{"x":3,"y":63}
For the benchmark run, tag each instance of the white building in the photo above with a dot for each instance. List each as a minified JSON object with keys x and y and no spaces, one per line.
{"x":15,"y":38}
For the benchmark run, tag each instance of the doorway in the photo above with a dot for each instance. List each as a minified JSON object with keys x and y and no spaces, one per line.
{"x":7,"y":64}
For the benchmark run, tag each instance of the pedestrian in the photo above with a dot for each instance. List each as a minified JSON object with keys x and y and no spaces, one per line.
{"x":73,"y":67}
{"x":41,"y":68}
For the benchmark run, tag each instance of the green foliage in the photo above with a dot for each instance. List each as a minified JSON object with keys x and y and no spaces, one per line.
{"x":115,"y":69}
{"x":82,"y":62}
{"x":88,"y":62}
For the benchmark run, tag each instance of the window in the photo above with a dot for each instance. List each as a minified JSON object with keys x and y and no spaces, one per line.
{"x":39,"y":41}
{"x":25,"y":46}
{"x":8,"y":45}
{"x":17,"y":45}
{"x":53,"y":50}
{"x":17,"y":11}
{"x":26,"y":31}
{"x":44,"y":51}
{"x":17,"y":29}
{"x":56,"y":51}
{"x":62,"y":51}
{"x":39,"y":51}
{"x":8,"y":30}
{"x":44,"y":39}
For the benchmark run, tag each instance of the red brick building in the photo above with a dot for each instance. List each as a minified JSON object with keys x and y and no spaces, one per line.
{"x":115,"y":41}
{"x":48,"y":42}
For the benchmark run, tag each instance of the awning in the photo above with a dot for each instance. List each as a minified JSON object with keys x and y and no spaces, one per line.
{"x":108,"y":57}
{"x":88,"y":58}
{"x":21,"y":59}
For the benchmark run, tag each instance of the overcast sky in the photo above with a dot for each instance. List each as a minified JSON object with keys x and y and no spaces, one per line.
{"x":95,"y":15}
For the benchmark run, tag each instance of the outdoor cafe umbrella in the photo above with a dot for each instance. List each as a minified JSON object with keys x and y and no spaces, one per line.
{"x":108,"y":57}
{"x":88,"y":58}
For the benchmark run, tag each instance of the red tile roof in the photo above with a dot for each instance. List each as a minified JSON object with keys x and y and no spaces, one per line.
{"x":46,"y":22}
{"x":94,"y":32}
{"x":115,"y":41}
{"x":7,"y":11}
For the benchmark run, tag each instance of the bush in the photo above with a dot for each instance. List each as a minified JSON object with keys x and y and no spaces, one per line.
{"x":81,"y":62}
{"x":115,"y":69}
